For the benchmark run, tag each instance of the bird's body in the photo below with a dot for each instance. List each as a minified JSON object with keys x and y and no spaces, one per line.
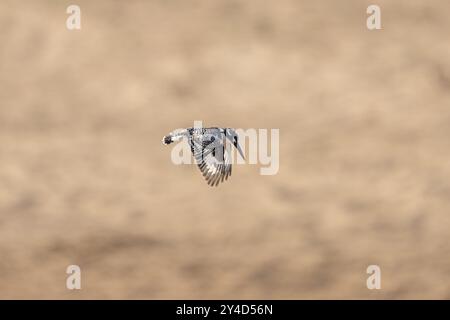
{"x":210,"y":149}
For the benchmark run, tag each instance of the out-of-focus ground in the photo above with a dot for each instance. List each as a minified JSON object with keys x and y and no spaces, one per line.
{"x":364,"y":119}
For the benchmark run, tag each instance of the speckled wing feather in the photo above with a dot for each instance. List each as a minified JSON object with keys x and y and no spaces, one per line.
{"x":212,"y":157}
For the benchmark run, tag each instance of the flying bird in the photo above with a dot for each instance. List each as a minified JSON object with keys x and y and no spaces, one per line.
{"x":210,"y":149}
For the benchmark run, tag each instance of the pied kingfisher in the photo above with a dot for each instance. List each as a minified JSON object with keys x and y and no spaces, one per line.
{"x":210,"y":149}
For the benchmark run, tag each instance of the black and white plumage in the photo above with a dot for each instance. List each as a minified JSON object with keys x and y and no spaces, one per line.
{"x":211,"y":149}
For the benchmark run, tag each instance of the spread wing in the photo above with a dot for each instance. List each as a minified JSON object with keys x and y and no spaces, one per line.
{"x":212,"y":157}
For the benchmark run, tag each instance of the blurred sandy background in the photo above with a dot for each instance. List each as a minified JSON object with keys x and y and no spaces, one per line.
{"x":364,"y":119}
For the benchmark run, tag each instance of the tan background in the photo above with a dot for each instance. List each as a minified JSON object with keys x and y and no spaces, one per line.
{"x":364,"y":119}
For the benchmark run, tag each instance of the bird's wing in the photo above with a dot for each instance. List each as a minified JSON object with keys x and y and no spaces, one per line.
{"x":213,"y":158}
